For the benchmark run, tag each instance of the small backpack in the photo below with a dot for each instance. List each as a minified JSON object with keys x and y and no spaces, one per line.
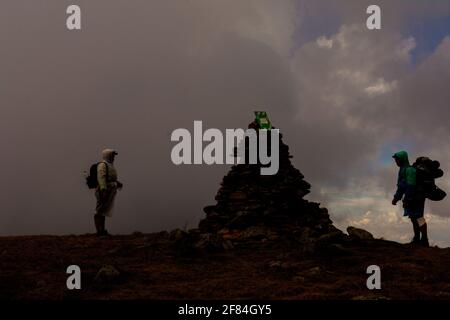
{"x":92,"y":178}
{"x":427,"y":171}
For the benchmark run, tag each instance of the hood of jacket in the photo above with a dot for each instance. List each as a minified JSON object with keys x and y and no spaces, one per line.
{"x":108,"y":154}
{"x":403,"y":157}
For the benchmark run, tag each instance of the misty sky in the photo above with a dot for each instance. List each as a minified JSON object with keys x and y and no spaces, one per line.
{"x":344,"y":97}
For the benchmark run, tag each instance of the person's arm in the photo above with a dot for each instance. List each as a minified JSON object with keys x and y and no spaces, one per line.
{"x":401,"y":186}
{"x":101,"y":175}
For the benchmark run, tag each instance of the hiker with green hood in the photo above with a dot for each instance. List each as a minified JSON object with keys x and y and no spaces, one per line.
{"x":413,"y":199}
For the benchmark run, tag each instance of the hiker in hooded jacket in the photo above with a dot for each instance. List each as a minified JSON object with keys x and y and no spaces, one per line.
{"x":413,"y":198}
{"x":106,"y":190}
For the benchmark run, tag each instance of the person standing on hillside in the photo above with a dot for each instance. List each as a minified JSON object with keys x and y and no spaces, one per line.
{"x":106,"y":190}
{"x":413,"y":199}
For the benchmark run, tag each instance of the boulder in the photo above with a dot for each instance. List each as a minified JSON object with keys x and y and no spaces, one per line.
{"x":177,"y":235}
{"x":359,"y":234}
{"x":107,"y":274}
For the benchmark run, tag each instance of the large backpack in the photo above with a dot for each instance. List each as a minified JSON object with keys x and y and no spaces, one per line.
{"x":92,"y":178}
{"x":427,"y":171}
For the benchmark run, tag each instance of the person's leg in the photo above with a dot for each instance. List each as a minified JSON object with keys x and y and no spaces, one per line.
{"x":103,"y":205}
{"x":99,"y":225}
{"x":104,"y":231}
{"x":98,"y":216}
{"x":108,"y":203}
{"x":423,"y":224}
{"x":424,"y":231}
{"x":416,"y":229}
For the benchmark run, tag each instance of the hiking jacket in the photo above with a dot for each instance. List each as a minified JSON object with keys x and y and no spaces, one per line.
{"x":106,"y":173}
{"x":107,"y":177}
{"x":406,"y":181}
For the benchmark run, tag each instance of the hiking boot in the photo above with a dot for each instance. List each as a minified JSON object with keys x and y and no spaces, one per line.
{"x":103,"y":234}
{"x":415,"y":241}
{"x":424,"y":243}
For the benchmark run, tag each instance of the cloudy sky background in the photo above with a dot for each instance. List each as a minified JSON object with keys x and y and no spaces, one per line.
{"x":344,"y":97}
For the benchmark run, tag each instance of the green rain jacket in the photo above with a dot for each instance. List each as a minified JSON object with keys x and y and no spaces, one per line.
{"x":406,"y":182}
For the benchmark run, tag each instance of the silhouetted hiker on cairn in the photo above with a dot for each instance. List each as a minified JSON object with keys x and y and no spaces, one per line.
{"x":413,"y":199}
{"x":103,"y":177}
{"x":261,"y":121}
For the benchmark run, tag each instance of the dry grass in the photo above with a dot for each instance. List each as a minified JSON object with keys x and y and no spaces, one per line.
{"x":151,"y":268}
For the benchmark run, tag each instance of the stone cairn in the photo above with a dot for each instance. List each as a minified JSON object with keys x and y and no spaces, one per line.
{"x":251,"y":205}
{"x":253,"y":208}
